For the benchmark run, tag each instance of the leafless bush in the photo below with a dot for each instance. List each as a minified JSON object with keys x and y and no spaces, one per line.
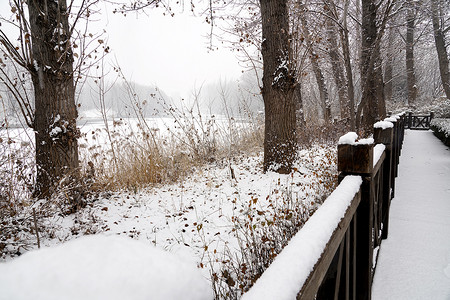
{"x":262,"y":231}
{"x":136,"y":153}
{"x":314,"y":132}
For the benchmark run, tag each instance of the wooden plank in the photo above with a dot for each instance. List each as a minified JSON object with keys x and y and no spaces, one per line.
{"x":344,"y":289}
{"x":347,"y":263}
{"x":377,"y":167}
{"x":337,"y":284}
{"x":355,"y":159}
{"x":353,"y":227}
{"x":364,"y":243}
{"x":386,"y":193}
{"x":377,"y":195}
{"x":384,"y":136}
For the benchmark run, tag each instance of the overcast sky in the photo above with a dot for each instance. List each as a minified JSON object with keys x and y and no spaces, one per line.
{"x":170,"y":52}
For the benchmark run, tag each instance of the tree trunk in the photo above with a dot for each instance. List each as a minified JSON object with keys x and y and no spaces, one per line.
{"x":379,"y":87}
{"x":320,"y":80}
{"x":300,"y":114}
{"x":388,"y":71}
{"x":280,"y":141}
{"x":323,"y":91}
{"x":439,"y":39}
{"x":348,"y":66}
{"x":336,"y":67}
{"x":372,"y":101}
{"x":369,"y":102}
{"x":409,"y":49}
{"x":55,"y":127}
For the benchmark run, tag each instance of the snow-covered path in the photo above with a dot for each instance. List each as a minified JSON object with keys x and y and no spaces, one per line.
{"x":414,"y":262}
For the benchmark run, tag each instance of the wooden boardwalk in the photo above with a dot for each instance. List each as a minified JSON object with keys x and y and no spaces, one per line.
{"x":414,"y":261}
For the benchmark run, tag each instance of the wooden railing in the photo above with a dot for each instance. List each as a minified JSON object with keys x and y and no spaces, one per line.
{"x":345,"y":268}
{"x":418,"y":122}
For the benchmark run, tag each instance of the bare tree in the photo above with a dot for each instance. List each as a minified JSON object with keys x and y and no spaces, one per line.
{"x":45,"y":55}
{"x":314,"y":58}
{"x":336,"y":67}
{"x":439,"y":29}
{"x":345,"y":41}
{"x":409,"y":50}
{"x":389,"y":62}
{"x":372,"y":105}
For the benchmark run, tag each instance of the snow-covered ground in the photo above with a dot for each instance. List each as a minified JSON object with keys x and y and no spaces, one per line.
{"x":414,"y":261}
{"x":201,"y":219}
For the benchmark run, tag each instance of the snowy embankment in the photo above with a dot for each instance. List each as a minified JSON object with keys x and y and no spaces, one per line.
{"x":441,"y":129}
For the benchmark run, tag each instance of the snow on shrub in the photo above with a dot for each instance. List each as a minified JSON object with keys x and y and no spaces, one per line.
{"x":441,"y":129}
{"x":442,"y":125}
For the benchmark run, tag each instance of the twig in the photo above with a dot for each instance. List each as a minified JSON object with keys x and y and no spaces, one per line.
{"x":36,"y":228}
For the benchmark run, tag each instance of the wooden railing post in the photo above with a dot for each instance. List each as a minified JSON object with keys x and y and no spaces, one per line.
{"x":410,"y":119}
{"x":395,"y":150}
{"x":401,"y":131}
{"x":384,"y":134}
{"x":357,"y":159}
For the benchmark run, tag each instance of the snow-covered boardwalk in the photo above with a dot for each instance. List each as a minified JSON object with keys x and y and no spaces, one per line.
{"x":414,"y":261}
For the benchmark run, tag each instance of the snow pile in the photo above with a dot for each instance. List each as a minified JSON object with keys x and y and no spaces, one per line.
{"x":350,"y":138}
{"x":390,"y":119}
{"x":290,"y":269}
{"x":383,"y":125}
{"x":377,"y":152}
{"x":367,"y":141}
{"x":101,"y":267}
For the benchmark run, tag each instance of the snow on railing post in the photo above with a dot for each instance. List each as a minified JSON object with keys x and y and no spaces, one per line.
{"x":356,"y":157}
{"x":397,"y":141}
{"x":384,"y":134}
